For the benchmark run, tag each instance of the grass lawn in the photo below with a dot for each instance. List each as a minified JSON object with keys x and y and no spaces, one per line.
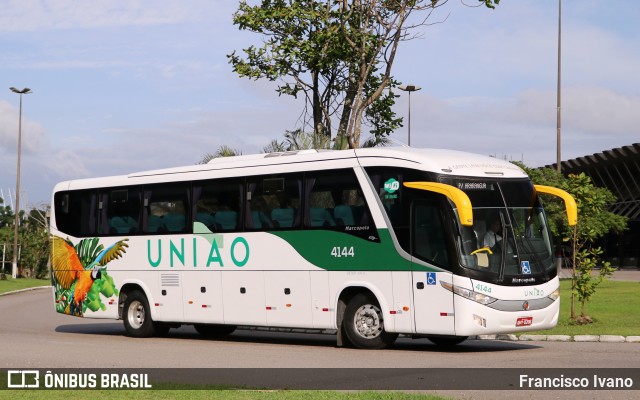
{"x":614,"y":308}
{"x":22,"y":283}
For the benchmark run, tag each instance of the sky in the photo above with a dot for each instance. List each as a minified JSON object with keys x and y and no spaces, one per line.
{"x":124,"y":86}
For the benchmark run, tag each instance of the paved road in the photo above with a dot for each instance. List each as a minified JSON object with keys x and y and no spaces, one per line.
{"x":626,"y":275}
{"x":632,"y":275}
{"x":35,"y":336}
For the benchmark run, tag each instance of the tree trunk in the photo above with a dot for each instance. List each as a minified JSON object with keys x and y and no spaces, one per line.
{"x":346,"y":113}
{"x":318,"y":124}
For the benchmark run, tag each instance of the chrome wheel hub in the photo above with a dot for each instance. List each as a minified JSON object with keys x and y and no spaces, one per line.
{"x":136,"y":315}
{"x":368,"y":321}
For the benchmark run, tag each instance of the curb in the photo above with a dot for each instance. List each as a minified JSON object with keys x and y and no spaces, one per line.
{"x":560,"y":338}
{"x":25,"y":290}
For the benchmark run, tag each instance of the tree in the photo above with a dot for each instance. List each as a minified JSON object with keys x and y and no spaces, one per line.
{"x":7,"y":218}
{"x":223,"y":151}
{"x":6,"y":214}
{"x":594,"y":221}
{"x":338,"y":54}
{"x":293,"y":140}
{"x":298,"y":140}
{"x":34,"y":238}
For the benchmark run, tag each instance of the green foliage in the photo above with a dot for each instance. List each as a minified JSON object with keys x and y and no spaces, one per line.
{"x":584,"y":282}
{"x":379,"y":116}
{"x":33,"y":239}
{"x":6,"y":215}
{"x":35,"y":252}
{"x":337,"y":54}
{"x":301,"y":49}
{"x":594,"y":221}
{"x":275,"y":147}
{"x":490,"y":3}
{"x":223,"y":151}
{"x":298,"y":140}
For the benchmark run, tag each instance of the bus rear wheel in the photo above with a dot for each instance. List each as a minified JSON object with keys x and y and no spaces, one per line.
{"x":214,"y":330}
{"x":364,"y":324}
{"x":137,"y":317}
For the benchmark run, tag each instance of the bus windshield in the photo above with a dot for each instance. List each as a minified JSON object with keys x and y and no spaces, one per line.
{"x":510,"y":238}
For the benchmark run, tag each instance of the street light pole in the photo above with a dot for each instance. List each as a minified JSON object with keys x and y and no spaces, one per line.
{"x":409,"y":88}
{"x":559,"y":115}
{"x":14,"y":268}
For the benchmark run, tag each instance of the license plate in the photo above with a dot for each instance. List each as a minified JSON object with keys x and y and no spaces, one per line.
{"x":526,"y":321}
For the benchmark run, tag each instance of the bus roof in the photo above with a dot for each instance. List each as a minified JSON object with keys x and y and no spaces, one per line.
{"x":448,"y":162}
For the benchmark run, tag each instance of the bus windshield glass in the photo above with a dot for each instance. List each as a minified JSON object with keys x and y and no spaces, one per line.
{"x":510,"y":238}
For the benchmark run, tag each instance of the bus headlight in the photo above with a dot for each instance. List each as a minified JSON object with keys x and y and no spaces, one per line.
{"x":555,"y":295}
{"x":468,"y":294}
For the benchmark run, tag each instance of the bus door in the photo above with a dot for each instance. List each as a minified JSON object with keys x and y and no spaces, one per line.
{"x":433,"y":304}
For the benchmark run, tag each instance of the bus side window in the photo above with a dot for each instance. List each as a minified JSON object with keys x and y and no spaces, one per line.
{"x":273,"y":202}
{"x":334,"y":201}
{"x":123,"y":210}
{"x":166,"y":208}
{"x":218,"y":204}
{"x":76,"y":212}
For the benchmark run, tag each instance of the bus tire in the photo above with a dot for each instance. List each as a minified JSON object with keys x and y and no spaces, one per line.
{"x":136,"y":316}
{"x":364,"y":324}
{"x":214,"y":330}
{"x":447,"y":341}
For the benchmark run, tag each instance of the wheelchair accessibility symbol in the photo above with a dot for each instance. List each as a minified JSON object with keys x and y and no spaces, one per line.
{"x":525,"y":267}
{"x":431,"y":278}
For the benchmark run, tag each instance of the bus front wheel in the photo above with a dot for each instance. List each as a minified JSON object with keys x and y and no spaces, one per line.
{"x":137,"y":317}
{"x":364,"y":324}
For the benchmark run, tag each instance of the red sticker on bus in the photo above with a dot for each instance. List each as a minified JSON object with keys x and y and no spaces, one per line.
{"x":526,"y":321}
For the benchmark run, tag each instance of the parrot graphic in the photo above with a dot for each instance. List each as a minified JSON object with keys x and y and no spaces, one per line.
{"x":69,"y":269}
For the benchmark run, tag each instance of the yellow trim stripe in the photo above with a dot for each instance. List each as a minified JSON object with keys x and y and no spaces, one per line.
{"x":569,"y":201}
{"x":459,"y":198}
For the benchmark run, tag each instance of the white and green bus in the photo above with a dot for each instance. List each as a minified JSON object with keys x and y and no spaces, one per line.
{"x":369,"y":243}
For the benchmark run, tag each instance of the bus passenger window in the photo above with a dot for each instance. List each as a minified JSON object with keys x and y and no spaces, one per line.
{"x":397,"y":199}
{"x":334,"y":201}
{"x":122,"y":211}
{"x":273,"y":202}
{"x":257,"y":217}
{"x":165,"y":208}
{"x":218,"y":204}
{"x":76,"y":212}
